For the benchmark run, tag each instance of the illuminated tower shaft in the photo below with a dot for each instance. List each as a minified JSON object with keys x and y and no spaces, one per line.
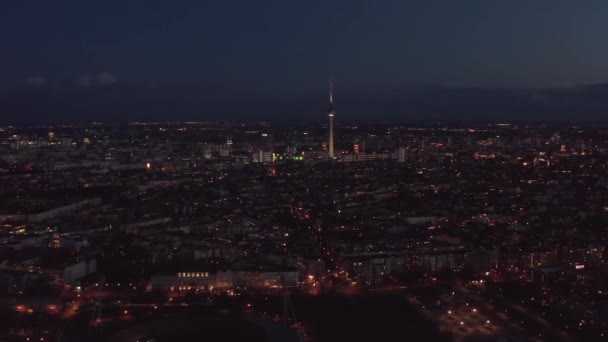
{"x":331,"y":136}
{"x":331,"y":114}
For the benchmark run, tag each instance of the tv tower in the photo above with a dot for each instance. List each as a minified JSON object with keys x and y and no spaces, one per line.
{"x":331,"y":112}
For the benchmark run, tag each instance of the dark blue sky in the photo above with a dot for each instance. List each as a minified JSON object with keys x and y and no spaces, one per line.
{"x":286,"y":50}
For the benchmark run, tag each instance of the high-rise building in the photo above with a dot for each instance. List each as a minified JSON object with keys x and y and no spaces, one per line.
{"x":401,"y":155}
{"x":229,"y":142}
{"x":207,"y":152}
{"x":331,"y":112}
{"x":264,"y":157}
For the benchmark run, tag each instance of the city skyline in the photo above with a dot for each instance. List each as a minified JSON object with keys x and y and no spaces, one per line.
{"x":312,"y":171}
{"x":450,"y":232}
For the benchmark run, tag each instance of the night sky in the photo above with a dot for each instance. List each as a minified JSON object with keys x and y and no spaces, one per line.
{"x":136,"y":59}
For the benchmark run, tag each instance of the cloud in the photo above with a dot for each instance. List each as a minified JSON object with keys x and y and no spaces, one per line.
{"x":36,"y":81}
{"x":100,"y":79}
{"x":106,"y":78}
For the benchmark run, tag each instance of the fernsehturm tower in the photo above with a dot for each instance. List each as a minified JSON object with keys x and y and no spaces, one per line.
{"x":331,"y":112}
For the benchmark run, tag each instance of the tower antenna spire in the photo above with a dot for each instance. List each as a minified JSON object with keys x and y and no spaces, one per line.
{"x":331,"y":112}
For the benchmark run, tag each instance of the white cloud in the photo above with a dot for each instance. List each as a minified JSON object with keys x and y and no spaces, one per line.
{"x":36,"y":81}
{"x":100,"y":79}
{"x":106,"y":78}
